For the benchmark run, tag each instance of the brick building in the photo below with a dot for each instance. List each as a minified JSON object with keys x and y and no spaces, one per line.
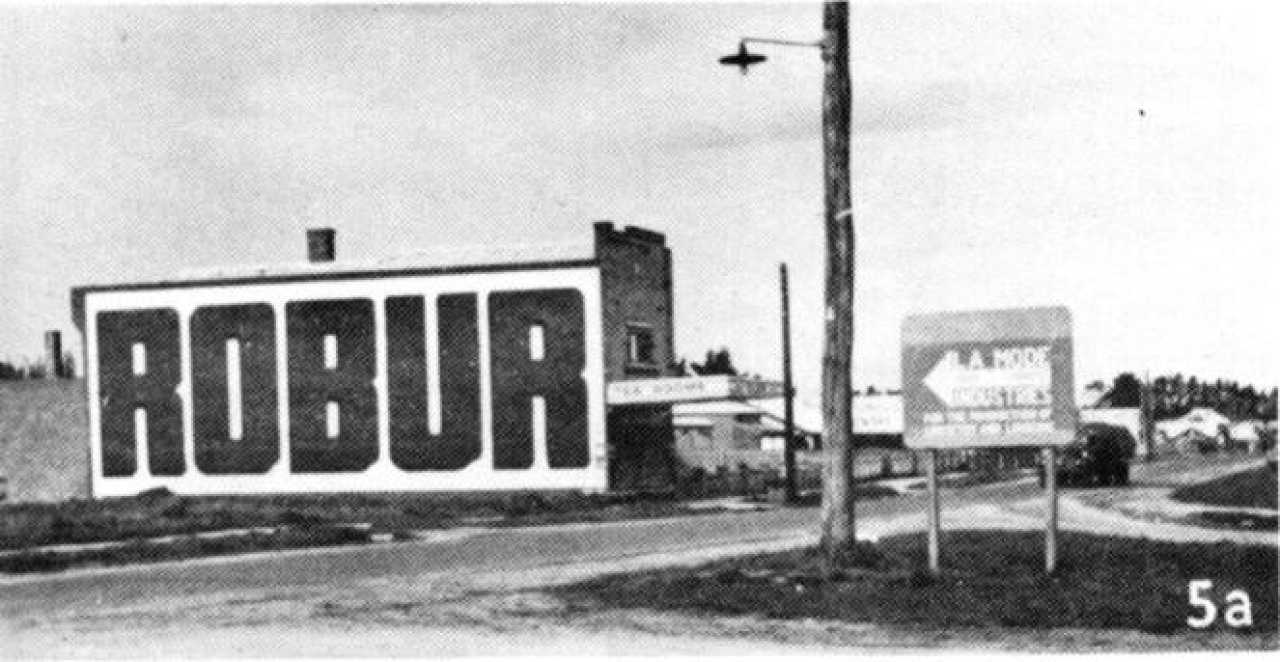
{"x":639,"y":329}
{"x":465,"y":369}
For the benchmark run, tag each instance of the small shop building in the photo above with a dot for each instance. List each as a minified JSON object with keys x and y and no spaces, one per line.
{"x":751,"y":431}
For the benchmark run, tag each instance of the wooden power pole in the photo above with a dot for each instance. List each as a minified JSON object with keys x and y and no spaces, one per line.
{"x":788,"y":391}
{"x":837,"y":357}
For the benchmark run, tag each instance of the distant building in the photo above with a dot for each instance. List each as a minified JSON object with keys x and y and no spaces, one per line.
{"x":727,"y":433}
{"x":1091,"y":396}
{"x":732,"y":432}
{"x":1200,"y":425}
{"x":1250,"y":433}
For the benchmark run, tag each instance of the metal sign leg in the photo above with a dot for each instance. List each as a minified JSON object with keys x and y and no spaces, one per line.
{"x":935,"y":532}
{"x":1051,"y":523}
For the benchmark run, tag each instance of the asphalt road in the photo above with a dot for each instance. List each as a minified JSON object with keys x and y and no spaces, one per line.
{"x":83,"y":592}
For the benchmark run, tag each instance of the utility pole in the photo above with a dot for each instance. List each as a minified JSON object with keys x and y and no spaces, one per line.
{"x":788,"y":391}
{"x":837,"y":354}
{"x":837,"y":397}
{"x":53,"y":354}
{"x":837,"y":358}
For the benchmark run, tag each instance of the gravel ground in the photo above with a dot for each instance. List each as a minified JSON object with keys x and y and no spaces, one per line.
{"x":492,"y":616}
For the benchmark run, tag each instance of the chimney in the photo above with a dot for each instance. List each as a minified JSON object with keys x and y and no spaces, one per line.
{"x":320,"y":244}
{"x":53,"y":354}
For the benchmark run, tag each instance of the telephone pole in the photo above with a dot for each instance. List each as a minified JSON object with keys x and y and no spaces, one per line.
{"x":837,"y":357}
{"x":788,"y":391}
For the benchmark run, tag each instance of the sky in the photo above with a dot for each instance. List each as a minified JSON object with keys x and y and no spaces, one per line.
{"x":1116,"y":158}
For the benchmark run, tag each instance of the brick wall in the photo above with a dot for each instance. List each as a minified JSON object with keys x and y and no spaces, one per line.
{"x":636,"y":290}
{"x":635,"y":279}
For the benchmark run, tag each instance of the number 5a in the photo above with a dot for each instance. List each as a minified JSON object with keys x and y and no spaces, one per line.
{"x":1239,"y":612}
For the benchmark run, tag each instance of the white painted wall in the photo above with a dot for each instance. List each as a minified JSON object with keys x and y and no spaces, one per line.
{"x":383,"y":475}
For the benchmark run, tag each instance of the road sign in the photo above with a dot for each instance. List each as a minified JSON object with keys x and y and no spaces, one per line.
{"x":988,"y":378}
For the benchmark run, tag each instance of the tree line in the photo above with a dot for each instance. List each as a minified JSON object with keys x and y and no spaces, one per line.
{"x":12,"y":371}
{"x":1175,"y":395}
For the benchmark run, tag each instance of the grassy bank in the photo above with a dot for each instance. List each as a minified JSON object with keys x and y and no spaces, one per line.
{"x":991,"y":579}
{"x":861,"y":491}
{"x":1255,"y":488}
{"x":142,"y":551}
{"x":161,"y":513}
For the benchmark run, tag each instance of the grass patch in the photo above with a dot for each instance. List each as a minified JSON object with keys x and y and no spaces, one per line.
{"x":302,"y":520}
{"x":978,"y":477}
{"x":1234,"y":519}
{"x":990,"y":579}
{"x":1255,"y":488}
{"x":862,"y":491}
{"x":148,"y":552}
{"x":160,"y":513}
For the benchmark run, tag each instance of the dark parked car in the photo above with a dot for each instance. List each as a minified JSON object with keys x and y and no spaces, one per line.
{"x":1100,"y":455}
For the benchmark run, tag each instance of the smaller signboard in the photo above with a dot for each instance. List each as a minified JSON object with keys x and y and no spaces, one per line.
{"x":690,"y":389}
{"x":988,"y":378}
{"x":877,"y":414}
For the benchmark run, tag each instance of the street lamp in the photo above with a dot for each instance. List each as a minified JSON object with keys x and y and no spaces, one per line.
{"x":744,"y":58}
{"x":837,"y":356}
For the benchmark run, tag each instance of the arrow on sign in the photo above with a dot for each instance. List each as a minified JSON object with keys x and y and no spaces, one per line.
{"x":989,"y":387}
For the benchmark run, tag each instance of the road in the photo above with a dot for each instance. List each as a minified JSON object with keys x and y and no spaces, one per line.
{"x":113,"y":602}
{"x":509,"y":550}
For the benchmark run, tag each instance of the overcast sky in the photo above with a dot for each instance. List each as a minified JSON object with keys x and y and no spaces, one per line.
{"x":1000,"y":159}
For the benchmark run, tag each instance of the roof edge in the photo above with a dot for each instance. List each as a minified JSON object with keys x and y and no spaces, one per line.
{"x":78,"y":292}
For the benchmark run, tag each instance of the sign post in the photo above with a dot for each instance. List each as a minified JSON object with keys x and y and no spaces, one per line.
{"x":935,"y":524}
{"x":1051,"y":520}
{"x":989,"y":379}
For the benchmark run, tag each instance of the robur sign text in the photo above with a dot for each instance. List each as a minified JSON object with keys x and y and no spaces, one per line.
{"x":327,"y":413}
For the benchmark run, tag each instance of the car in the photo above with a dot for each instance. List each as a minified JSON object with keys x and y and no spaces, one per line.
{"x":1099,"y":455}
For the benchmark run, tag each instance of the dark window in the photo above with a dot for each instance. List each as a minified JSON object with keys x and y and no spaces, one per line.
{"x":639,"y":344}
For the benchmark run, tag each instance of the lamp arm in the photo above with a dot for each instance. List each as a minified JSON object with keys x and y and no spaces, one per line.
{"x":821,"y":43}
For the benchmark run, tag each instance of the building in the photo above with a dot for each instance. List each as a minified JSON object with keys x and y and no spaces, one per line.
{"x":459,"y":370}
{"x":1200,"y":427}
{"x":729,"y":433}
